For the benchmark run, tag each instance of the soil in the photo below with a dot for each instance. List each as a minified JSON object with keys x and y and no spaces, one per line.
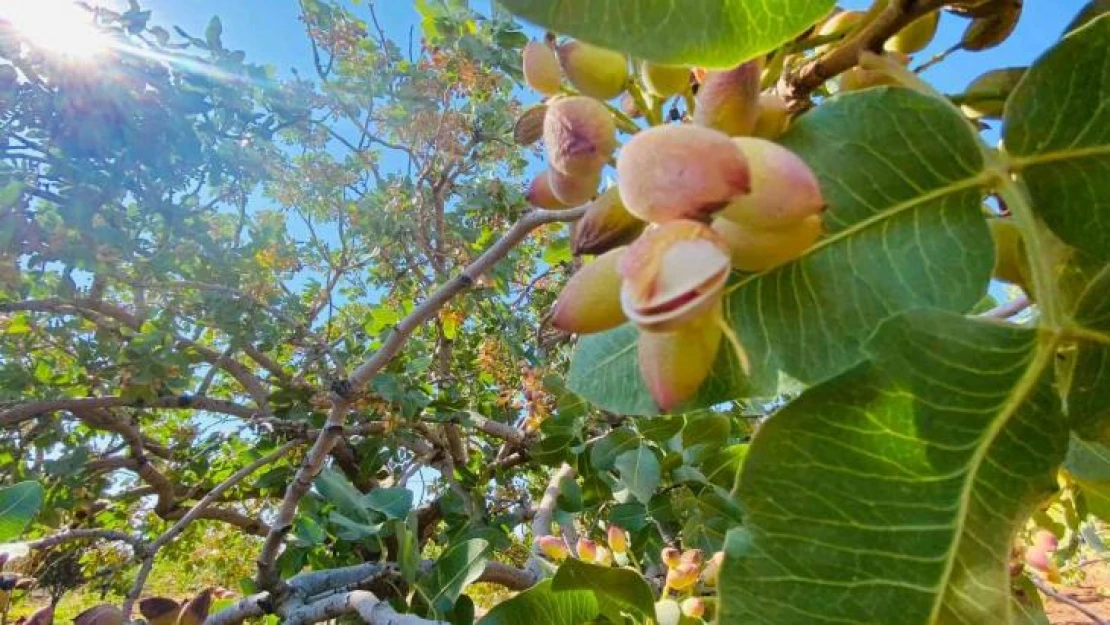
{"x":1093,"y":594}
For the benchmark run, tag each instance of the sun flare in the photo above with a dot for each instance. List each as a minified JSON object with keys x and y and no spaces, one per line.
{"x":56,"y":26}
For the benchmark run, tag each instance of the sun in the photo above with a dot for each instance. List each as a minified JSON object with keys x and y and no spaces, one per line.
{"x":56,"y":26}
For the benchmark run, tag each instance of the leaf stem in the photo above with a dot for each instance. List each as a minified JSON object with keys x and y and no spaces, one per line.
{"x":642,"y":104}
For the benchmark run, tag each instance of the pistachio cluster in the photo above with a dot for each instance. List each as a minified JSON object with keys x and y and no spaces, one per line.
{"x":587,"y":550}
{"x":693,"y":201}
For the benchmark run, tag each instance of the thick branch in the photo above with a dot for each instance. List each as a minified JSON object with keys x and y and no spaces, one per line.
{"x":371,"y":609}
{"x":333,"y":428}
{"x":30,"y":410}
{"x":545,"y":513}
{"x":84,"y":534}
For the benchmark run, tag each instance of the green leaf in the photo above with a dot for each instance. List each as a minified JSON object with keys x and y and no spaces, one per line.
{"x":1028,"y":609}
{"x":458,"y":567}
{"x":1058,"y":135}
{"x":339,"y":491}
{"x":393,"y":503}
{"x":890,"y":494}
{"x":1088,"y":463}
{"x":708,"y":33}
{"x":639,"y":472}
{"x":352,"y":530}
{"x":903,"y":176}
{"x":19,"y":504}
{"x":605,"y":450}
{"x":1088,"y":390}
{"x":540,"y":604}
{"x":709,"y":429}
{"x":624,"y":587}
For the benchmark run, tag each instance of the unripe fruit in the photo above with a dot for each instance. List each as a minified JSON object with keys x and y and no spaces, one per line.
{"x":682,"y":577}
{"x":773,"y":118}
{"x":729,"y":100}
{"x":594,"y":71}
{"x":675,"y":364}
{"x":591,"y":301}
{"x":680,"y":172}
{"x":606,"y":225}
{"x":1045,"y":540}
{"x":618,"y":539}
{"x":539,"y":193}
{"x":579,"y":135}
{"x":541,"y":68}
{"x":670,"y":557}
{"x":672,"y":274}
{"x":693,"y":607}
{"x":693,"y":556}
{"x":987,"y":32}
{"x":587,"y":549}
{"x":667,"y":612}
{"x":553,"y":547}
{"x":916,"y":35}
{"x":838,"y":24}
{"x":985,"y":97}
{"x":784,"y":190}
{"x":712,"y":569}
{"x":757,"y":250}
{"x":528,"y":128}
{"x":664,"y":81}
{"x":858,"y":78}
{"x":604,"y":557}
{"x":573,"y":190}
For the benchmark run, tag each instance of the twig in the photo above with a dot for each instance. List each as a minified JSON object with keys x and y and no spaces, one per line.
{"x":1066,"y":600}
{"x":1008,"y":309}
{"x":85,"y":534}
{"x":899,"y":13}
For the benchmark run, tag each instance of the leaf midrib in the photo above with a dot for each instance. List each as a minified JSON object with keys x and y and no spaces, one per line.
{"x":1017,"y":163}
{"x":982,"y":179}
{"x":1045,"y":352}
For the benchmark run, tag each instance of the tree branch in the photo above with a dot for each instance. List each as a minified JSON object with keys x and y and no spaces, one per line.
{"x":189,"y":517}
{"x":333,"y":428}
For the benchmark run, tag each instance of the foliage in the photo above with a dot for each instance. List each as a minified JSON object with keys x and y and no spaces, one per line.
{"x":322,"y":339}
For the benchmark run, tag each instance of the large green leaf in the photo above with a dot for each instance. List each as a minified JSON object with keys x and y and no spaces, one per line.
{"x":393,"y":503}
{"x":891,"y":493}
{"x":339,"y":491}
{"x":904,"y":177}
{"x":1058,"y":133}
{"x":639,"y":472}
{"x":458,"y":567}
{"x":19,"y":504}
{"x":540,"y":604}
{"x":1088,"y":395}
{"x":624,"y":587}
{"x":709,"y":33}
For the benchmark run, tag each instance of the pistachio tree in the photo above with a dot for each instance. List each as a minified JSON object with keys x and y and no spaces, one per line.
{"x":711,"y":332}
